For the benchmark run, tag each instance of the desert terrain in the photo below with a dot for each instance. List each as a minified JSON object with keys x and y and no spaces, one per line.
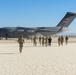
{"x":38,"y":60}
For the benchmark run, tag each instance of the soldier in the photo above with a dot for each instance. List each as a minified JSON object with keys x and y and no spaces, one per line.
{"x":34,"y":41}
{"x":66,"y":39}
{"x":46,"y":41}
{"x":59,"y":40}
{"x":62,"y":40}
{"x":43,"y":41}
{"x":49,"y":40}
{"x":21,"y":41}
{"x":40,"y":40}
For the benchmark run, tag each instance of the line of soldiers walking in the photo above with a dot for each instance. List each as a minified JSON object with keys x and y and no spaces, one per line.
{"x":43,"y":41}
{"x":61,"y":40}
{"x":47,"y":40}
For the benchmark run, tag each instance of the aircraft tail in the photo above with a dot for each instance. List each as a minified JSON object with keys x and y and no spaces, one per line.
{"x":66,"y":21}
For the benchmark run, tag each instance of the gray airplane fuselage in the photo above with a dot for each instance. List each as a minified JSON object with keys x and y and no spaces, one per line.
{"x":15,"y":32}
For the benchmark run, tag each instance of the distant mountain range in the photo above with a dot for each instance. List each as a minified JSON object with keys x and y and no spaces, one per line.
{"x":68,"y":34}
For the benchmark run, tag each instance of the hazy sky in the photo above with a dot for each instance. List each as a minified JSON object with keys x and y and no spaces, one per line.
{"x":35,"y":13}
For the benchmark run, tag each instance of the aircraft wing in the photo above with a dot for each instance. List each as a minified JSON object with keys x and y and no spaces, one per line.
{"x":48,"y":30}
{"x":40,"y":30}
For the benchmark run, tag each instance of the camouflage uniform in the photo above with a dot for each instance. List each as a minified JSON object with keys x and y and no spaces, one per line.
{"x":43,"y":41}
{"x":62,"y":40}
{"x":40,"y":40}
{"x":46,"y":41}
{"x":34,"y":41}
{"x":66,"y":40}
{"x":59,"y":40}
{"x":20,"y":41}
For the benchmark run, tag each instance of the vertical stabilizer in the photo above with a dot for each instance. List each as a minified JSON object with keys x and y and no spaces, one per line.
{"x":68,"y":18}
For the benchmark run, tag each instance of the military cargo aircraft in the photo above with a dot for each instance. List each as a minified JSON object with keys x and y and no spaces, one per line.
{"x":15,"y":32}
